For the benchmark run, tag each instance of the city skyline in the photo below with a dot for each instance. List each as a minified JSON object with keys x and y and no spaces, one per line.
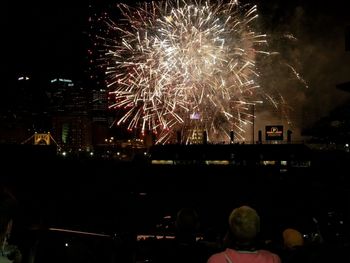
{"x":50,"y":40}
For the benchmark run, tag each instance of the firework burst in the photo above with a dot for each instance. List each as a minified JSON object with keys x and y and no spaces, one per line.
{"x":184,"y":66}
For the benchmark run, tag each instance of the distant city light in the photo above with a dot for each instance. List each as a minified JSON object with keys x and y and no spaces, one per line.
{"x":65,"y":80}
{"x":61,"y":80}
{"x":23,"y":78}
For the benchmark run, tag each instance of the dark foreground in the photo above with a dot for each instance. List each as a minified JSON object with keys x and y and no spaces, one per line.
{"x":137,"y":197}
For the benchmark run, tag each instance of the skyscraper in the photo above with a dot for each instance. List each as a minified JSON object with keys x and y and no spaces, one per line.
{"x":71,"y":122}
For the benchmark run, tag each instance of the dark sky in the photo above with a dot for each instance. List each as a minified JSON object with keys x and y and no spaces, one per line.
{"x":44,"y":38}
{"x":48,"y":37}
{"x":49,"y":34}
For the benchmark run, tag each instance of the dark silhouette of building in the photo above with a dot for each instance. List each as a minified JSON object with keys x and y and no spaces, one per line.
{"x":71,"y":122}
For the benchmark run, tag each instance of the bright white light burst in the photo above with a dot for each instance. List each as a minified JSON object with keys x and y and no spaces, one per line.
{"x":185,"y":66}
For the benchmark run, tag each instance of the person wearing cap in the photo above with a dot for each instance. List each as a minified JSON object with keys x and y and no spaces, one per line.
{"x":292,"y":238}
{"x":294,"y":251}
{"x":244,"y":226}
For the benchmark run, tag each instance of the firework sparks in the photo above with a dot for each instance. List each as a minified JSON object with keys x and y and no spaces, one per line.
{"x":185,"y":66}
{"x":297,"y":75}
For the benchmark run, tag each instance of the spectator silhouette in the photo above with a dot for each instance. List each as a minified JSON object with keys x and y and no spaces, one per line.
{"x":292,"y":239}
{"x":186,"y":226}
{"x":184,"y":248}
{"x":293,"y":249}
{"x":8,"y":204}
{"x":244,"y":226}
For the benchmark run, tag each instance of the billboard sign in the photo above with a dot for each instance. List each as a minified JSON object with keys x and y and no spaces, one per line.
{"x":274,"y":132}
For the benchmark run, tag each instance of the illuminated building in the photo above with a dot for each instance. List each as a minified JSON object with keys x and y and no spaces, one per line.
{"x":101,"y":120}
{"x":196,"y":137}
{"x":71,"y":123}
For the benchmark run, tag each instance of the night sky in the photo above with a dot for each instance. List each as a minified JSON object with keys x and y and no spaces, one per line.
{"x":45,"y":39}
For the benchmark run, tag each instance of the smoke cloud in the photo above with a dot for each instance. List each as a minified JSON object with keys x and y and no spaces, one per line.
{"x":308,"y":60}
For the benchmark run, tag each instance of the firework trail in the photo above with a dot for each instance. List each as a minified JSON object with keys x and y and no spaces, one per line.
{"x":297,"y":75}
{"x":185,"y":66}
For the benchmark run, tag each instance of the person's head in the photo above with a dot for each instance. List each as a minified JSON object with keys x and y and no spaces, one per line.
{"x":292,"y":238}
{"x":244,"y":223}
{"x":187,"y":221}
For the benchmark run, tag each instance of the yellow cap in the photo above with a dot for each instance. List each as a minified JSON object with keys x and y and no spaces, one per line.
{"x":292,"y":238}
